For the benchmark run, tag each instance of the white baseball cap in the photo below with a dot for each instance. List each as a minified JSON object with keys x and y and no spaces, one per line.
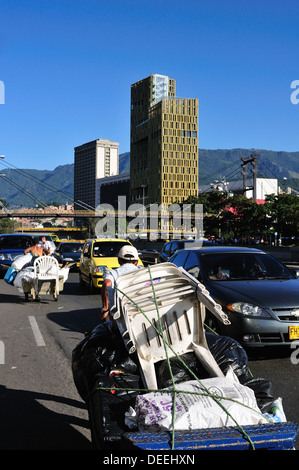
{"x":128,"y":253}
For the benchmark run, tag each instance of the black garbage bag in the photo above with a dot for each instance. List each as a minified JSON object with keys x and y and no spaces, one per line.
{"x":99,"y":352}
{"x":263,"y":392}
{"x":227,"y":352}
{"x":180,"y":371}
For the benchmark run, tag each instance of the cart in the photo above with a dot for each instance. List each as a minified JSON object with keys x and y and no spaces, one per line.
{"x":43,"y":278}
{"x":33,"y":290}
{"x":136,"y":372}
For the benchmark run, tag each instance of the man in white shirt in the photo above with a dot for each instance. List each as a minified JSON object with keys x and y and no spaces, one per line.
{"x":128,"y":260}
{"x":46,"y":244}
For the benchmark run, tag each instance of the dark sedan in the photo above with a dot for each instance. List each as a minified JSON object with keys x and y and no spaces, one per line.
{"x":257,"y":292}
{"x":70,"y":252}
{"x":169,"y":248}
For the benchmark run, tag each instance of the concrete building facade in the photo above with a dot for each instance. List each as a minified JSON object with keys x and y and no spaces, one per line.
{"x":109,"y":188}
{"x":163,"y":143}
{"x":93,"y":160}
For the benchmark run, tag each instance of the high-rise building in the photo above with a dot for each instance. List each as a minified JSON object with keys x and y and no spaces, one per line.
{"x":163,"y":143}
{"x":93,"y":160}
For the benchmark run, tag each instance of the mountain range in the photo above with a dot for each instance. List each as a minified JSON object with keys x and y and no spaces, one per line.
{"x":29,"y":188}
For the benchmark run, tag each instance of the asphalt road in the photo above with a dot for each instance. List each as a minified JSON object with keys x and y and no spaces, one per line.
{"x":40,"y":407}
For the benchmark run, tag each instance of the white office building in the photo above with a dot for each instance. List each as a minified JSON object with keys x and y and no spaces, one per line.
{"x":93,"y":160}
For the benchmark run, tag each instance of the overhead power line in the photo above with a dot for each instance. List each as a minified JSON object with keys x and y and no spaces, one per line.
{"x":38,"y":201}
{"x":46,"y":185}
{"x":34,"y":178}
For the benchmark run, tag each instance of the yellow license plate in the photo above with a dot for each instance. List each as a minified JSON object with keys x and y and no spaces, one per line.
{"x":293,"y":332}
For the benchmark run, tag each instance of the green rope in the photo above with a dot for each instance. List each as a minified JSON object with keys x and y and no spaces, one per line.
{"x":174,"y":390}
{"x":168,"y":362}
{"x":185,"y":365}
{"x":187,"y":392}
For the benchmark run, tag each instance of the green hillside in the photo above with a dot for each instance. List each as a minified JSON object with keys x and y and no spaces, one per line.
{"x":215,"y":164}
{"x":30,"y":187}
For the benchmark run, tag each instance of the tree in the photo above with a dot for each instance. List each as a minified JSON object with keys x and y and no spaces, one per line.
{"x":3,"y":203}
{"x":213,"y":203}
{"x":283,"y":211}
{"x":244,"y":217}
{"x":7,"y":225}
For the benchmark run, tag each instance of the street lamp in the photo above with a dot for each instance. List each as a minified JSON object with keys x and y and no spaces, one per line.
{"x":2,"y":156}
{"x":143,"y":195}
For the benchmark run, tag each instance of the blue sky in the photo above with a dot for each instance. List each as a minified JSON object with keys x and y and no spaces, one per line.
{"x":67,"y":67}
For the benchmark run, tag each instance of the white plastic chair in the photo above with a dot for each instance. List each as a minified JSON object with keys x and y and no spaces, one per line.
{"x":176,"y":305}
{"x":46,"y":268}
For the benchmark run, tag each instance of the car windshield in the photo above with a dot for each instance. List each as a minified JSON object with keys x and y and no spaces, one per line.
{"x":108,"y":249}
{"x":15,"y":242}
{"x":71,"y":247}
{"x":243,"y":266}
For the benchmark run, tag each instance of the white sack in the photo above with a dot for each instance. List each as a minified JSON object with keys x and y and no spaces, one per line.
{"x":154,"y":410}
{"x":27,"y":274}
{"x":21,"y":260}
{"x":64,"y":272}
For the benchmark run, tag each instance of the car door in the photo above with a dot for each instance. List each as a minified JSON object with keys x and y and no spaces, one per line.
{"x":179,"y":258}
{"x":85,"y":260}
{"x":165,"y":252}
{"x":192,"y":266}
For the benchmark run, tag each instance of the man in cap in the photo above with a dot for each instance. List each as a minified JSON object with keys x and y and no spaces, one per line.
{"x":128,"y":260}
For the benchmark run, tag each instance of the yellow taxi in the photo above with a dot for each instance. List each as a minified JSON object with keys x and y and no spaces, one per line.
{"x":98,"y":254}
{"x":55,"y":238}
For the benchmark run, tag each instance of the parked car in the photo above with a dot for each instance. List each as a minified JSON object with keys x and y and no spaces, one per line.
{"x":149,"y":256}
{"x":14,"y":244}
{"x":169,"y":248}
{"x":257,"y":292}
{"x":70,"y":251}
{"x":98,"y":254}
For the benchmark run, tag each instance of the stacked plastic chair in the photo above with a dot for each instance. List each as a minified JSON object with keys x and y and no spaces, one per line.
{"x":46,"y":268}
{"x":160,"y":313}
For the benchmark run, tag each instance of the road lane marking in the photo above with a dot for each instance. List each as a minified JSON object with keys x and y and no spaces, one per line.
{"x":36,"y":332}
{"x":2,"y":353}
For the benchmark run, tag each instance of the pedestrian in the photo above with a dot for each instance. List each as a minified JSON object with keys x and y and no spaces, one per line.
{"x":128,"y":260}
{"x":45,"y":243}
{"x":36,"y":250}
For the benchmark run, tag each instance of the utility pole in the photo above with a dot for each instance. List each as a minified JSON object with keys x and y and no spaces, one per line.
{"x":253,"y":161}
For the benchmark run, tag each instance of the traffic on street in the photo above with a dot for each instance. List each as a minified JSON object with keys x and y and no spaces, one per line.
{"x":40,"y":406}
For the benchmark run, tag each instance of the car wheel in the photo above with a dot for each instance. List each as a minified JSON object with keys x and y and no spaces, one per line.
{"x":92,"y":288}
{"x":81,"y":282}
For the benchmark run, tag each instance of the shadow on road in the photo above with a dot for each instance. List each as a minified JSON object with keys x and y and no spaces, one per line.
{"x":76,"y":320}
{"x":268,"y":353}
{"x":26,"y":424}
